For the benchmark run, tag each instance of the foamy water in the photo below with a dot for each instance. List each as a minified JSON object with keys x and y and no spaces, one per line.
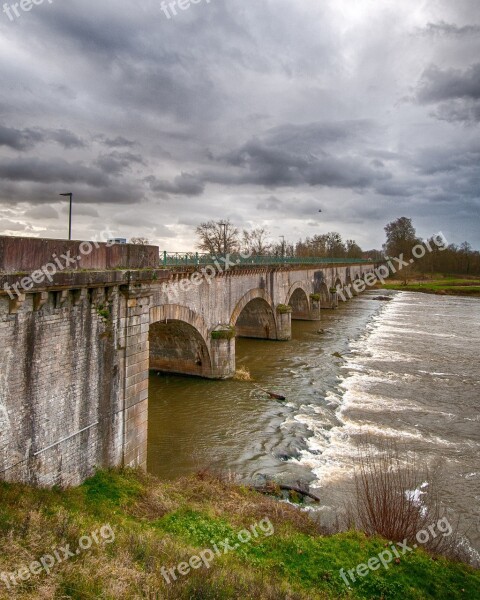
{"x":409,"y":373}
{"x":412,"y":376}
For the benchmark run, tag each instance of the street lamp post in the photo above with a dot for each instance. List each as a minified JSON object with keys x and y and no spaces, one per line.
{"x":69,"y":195}
{"x":224,"y":225}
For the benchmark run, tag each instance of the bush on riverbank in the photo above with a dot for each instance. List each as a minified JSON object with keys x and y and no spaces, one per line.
{"x":163,"y":524}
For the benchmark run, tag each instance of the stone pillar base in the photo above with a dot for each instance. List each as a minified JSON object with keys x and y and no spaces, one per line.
{"x":284,"y":323}
{"x":222,"y":351}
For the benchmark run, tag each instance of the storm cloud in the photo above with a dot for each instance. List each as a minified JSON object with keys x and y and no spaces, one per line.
{"x":261,"y":112}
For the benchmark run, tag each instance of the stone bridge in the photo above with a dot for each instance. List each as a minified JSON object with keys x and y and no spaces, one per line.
{"x":82,"y":323}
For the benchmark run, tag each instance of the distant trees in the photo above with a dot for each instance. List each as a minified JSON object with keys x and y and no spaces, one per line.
{"x":328,"y":245}
{"x":256,"y":241}
{"x":140,"y":241}
{"x":222,"y":237}
{"x":453,"y":259}
{"x":401,"y":238}
{"x":353,"y":249}
{"x":218,"y":237}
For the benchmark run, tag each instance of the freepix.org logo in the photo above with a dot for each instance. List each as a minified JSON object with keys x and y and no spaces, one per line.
{"x":15,"y":10}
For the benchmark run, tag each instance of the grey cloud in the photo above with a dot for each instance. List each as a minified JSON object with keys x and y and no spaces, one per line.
{"x":443,"y":28}
{"x":26,"y":139}
{"x":65,"y":138}
{"x":461,"y":111}
{"x":118,"y":142}
{"x":266,"y":164}
{"x":52,"y":171}
{"x":238,"y":99}
{"x":7,"y":224}
{"x":116,"y":162}
{"x":186,"y":184}
{"x":455,"y":92}
{"x":437,"y":85}
{"x":19,"y":139}
{"x":270,"y":203}
{"x":41,"y":212}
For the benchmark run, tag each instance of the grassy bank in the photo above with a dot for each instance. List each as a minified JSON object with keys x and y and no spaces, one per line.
{"x":159,"y":524}
{"x":445,"y":286}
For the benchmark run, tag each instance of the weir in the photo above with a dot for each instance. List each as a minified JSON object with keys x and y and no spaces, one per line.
{"x":78,"y":338}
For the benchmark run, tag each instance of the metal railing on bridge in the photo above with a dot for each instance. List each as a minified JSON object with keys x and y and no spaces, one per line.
{"x":196,"y":259}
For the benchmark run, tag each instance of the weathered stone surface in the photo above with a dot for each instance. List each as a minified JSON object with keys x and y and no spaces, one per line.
{"x":75,"y":351}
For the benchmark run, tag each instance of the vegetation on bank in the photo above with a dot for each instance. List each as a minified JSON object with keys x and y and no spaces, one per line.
{"x":165,"y":523}
{"x":436,"y":284}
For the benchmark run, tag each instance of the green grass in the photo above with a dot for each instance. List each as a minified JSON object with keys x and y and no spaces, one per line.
{"x":448,"y":285}
{"x":163,"y":524}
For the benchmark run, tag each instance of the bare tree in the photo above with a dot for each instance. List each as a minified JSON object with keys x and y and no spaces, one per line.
{"x":388,"y":485}
{"x":353,"y":249}
{"x":255,"y":241}
{"x":140,"y":241}
{"x":218,"y":237}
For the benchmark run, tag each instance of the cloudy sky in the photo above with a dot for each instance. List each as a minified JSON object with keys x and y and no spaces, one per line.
{"x":261,"y":111}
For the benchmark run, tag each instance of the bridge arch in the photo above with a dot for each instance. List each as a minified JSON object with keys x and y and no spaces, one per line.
{"x":298,"y":297}
{"x":179,"y":341}
{"x":254,"y":316}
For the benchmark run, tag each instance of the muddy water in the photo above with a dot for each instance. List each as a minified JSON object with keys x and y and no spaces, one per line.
{"x":409,"y":370}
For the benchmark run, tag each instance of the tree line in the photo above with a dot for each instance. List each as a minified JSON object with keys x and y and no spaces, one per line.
{"x":223,"y":237}
{"x":447,"y":259}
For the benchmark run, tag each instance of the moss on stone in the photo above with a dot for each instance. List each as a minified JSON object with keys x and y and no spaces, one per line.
{"x":228,"y":333}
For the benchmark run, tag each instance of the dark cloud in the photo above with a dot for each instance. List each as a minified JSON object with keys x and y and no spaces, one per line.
{"x":185,"y":184}
{"x":201,"y":116}
{"x":116,"y":162}
{"x":26,"y":139}
{"x":118,"y":142}
{"x":19,"y":139}
{"x":438,"y":85}
{"x":281,"y":160}
{"x":53,"y":171}
{"x":462,"y":111}
{"x":455,"y":92}
{"x":450,"y":29}
{"x":65,"y":138}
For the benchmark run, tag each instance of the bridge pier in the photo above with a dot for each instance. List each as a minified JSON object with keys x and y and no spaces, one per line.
{"x":284,"y":323}
{"x":134,"y":364}
{"x":223,"y":352}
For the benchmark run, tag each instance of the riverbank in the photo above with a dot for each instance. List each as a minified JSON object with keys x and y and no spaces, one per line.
{"x":443,"y":286}
{"x":135,"y":524}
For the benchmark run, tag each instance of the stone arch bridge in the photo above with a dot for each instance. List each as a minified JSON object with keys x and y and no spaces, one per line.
{"x":77,"y":342}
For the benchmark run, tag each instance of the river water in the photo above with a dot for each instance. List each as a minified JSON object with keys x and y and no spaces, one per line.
{"x":409,"y":370}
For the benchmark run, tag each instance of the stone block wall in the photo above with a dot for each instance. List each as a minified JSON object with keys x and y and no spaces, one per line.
{"x":60,"y":406}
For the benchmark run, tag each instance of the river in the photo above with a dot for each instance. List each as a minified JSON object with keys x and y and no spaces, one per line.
{"x":408,"y":370}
